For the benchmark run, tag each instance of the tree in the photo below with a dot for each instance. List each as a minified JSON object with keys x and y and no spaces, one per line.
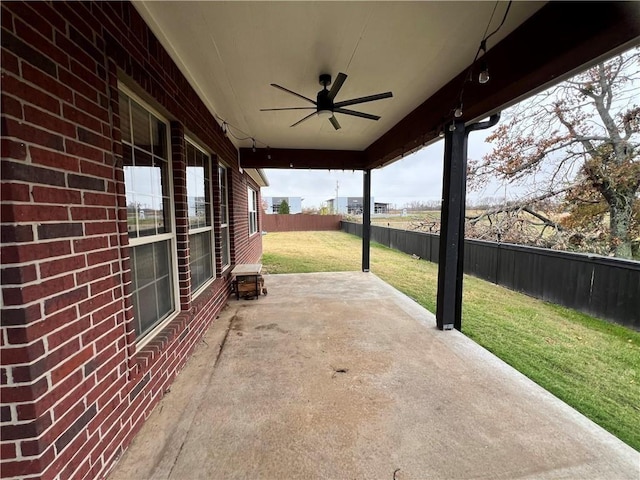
{"x":283,"y":208}
{"x":580,"y":141}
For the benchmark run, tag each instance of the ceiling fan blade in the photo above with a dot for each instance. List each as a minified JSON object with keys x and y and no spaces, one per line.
{"x":292,"y":93}
{"x":370,"y":98}
{"x":305,"y":118}
{"x":337,"y":85}
{"x":356,"y":114}
{"x":334,"y":122}
{"x":286,"y":108}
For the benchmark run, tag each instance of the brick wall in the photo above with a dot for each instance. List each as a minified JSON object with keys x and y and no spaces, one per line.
{"x":75,"y":388}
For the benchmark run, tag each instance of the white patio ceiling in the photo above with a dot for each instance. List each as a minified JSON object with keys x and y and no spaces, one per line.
{"x":232,"y":51}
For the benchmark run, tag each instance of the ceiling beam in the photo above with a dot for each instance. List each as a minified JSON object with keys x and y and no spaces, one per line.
{"x":302,"y":158}
{"x":560,"y":38}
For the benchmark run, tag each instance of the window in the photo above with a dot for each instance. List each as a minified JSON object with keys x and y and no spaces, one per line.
{"x":225,"y":254}
{"x":201,"y":259}
{"x":147,"y":178}
{"x":252,"y":200}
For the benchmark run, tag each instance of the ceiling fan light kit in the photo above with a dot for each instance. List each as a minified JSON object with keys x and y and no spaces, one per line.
{"x":325,"y":107}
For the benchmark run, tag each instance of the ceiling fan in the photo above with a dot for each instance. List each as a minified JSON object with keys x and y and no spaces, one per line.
{"x":325,"y":107}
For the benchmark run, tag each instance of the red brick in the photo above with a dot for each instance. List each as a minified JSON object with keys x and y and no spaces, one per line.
{"x":16,"y":192}
{"x":90,"y":243}
{"x":12,"y":149}
{"x":104,"y":285}
{"x":9,"y":61}
{"x":28,"y":173}
{"x":102,"y":257}
{"x":36,"y":251}
{"x":100,"y":228}
{"x":49,"y":122}
{"x":70,"y":365}
{"x":24,"y":393}
{"x":88,"y":213}
{"x":11,"y":107}
{"x":94,"y":303}
{"x":32,"y":448}
{"x":104,"y":199}
{"x":83,"y":150}
{"x":31,"y":134}
{"x":55,"y":195}
{"x":54,"y":159}
{"x":46,"y":47}
{"x":48,"y":83}
{"x":91,"y":108}
{"x":32,"y":95}
{"x":81,"y":118}
{"x":62,"y":265}
{"x":89,"y":77}
{"x":91,"y":274}
{"x":96,"y":169}
{"x":30,"y":15}
{"x":26,"y":430}
{"x":42,"y":290}
{"x":98,"y":330}
{"x":20,"y":316}
{"x":21,"y":468}
{"x":84,"y":182}
{"x":34,"y":331}
{"x":65,"y":299}
{"x":77,"y":84}
{"x":8,"y":451}
{"x":32,"y":213}
{"x":19,"y":275}
{"x":74,"y":51}
{"x":14,"y":233}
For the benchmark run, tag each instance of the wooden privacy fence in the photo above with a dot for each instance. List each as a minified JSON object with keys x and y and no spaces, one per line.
{"x":300,"y":222}
{"x":607,"y":288}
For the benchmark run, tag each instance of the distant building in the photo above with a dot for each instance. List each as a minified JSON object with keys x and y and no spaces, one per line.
{"x":349,"y":205}
{"x":272,"y":204}
{"x":381,"y":208}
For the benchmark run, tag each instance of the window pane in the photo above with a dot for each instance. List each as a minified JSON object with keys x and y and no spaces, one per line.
{"x":159,"y":132}
{"x":198,"y":188}
{"x":224,"y":237}
{"x":125,"y":123}
{"x":141,"y":132}
{"x":147,"y":309}
{"x":148,"y":194}
{"x":144,"y":263}
{"x":165,"y":299}
{"x":201,"y":264}
{"x":153,"y":287}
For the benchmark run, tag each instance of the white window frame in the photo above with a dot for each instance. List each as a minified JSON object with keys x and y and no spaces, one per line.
{"x":170,"y":236}
{"x":224,"y":219}
{"x":195,"y":231}
{"x":252,"y":207}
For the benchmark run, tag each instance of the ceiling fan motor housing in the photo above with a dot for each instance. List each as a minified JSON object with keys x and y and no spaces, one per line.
{"x":323,"y":101}
{"x":325,"y":79}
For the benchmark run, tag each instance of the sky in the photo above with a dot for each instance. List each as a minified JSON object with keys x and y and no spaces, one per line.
{"x":417,"y":177}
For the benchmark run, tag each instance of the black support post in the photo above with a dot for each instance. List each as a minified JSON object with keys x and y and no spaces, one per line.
{"x":451,"y":254}
{"x":366,"y":220}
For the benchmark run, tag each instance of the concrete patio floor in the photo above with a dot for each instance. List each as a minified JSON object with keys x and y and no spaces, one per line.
{"x":340,"y":376}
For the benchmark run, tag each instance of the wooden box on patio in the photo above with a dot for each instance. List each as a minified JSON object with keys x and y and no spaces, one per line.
{"x":247,"y":280}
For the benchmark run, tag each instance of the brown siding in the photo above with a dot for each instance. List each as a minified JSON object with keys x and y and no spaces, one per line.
{"x":300,"y":223}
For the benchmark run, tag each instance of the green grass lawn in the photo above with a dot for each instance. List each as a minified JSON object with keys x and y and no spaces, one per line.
{"x":592,"y":365}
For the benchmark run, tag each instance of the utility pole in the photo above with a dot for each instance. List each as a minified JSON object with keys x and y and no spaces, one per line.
{"x":336,"y":204}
